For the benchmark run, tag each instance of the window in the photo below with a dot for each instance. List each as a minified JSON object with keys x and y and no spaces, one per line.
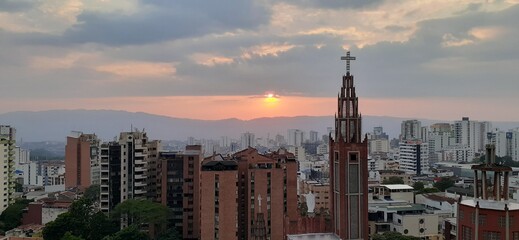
{"x":482,"y":219}
{"x":492,"y":235}
{"x":466,"y":233}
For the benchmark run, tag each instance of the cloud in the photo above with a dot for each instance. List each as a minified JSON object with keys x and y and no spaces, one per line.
{"x":15,"y":5}
{"x":166,"y":20}
{"x":210,"y":59}
{"x":335,"y":4}
{"x":138,"y":69}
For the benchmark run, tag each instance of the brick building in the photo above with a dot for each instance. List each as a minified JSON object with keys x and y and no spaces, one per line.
{"x":178,"y":187}
{"x":82,"y":160}
{"x":349,"y":165}
{"x":490,"y":214}
{"x":219,"y":199}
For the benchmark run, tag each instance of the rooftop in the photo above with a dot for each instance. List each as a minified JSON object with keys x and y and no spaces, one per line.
{"x":491,"y":204}
{"x":397,"y":186}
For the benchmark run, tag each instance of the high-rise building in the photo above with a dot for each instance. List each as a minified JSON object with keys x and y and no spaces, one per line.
{"x":178,"y":187}
{"x":82,"y":160}
{"x":296,"y":137}
{"x":7,"y":181}
{"x":124,"y":168}
{"x":378,"y":133}
{"x":349,"y":165}
{"x":490,"y":214}
{"x":414,"y":156}
{"x":219,"y":199}
{"x":411,"y":130}
{"x":314,"y":136}
{"x":247,"y":140}
{"x":267,"y":193}
{"x":472,"y":134}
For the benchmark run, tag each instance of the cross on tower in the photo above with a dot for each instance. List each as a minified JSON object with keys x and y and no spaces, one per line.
{"x":348,"y":58}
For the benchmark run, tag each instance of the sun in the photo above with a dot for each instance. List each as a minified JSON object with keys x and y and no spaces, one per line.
{"x":271,"y":98}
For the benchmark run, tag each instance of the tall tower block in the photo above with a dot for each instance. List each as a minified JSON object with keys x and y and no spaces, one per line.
{"x":349,"y":165}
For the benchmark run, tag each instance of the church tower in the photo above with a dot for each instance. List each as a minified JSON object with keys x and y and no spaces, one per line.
{"x":349,"y":165}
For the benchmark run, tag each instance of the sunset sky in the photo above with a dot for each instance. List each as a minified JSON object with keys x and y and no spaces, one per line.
{"x":221,"y":59}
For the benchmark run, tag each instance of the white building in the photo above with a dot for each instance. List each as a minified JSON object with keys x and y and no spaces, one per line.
{"x":411,"y":130}
{"x":472,"y":133}
{"x":296,"y":137}
{"x":414,"y":156}
{"x":378,"y":145}
{"x":247,"y":140}
{"x":299,"y":152}
{"x":507,"y":143}
{"x":30,"y":174}
{"x":7,"y":159}
{"x":457,"y":154}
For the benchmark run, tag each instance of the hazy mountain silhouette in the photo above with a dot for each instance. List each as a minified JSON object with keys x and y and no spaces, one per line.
{"x":55,"y":125}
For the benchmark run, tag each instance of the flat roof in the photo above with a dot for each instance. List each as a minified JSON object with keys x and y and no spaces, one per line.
{"x":491,"y":204}
{"x":397,"y":186}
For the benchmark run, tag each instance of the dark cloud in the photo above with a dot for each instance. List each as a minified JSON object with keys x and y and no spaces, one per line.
{"x":168,"y":20}
{"x":335,"y":4}
{"x":15,"y":5}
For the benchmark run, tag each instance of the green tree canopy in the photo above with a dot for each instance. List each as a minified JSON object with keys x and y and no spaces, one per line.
{"x":11,"y":217}
{"x":444,"y":183}
{"x":129,"y":233}
{"x":418,"y":186}
{"x":93,"y":192}
{"x":82,"y":220}
{"x":141,"y":211}
{"x":393,"y":180}
{"x":69,"y":236}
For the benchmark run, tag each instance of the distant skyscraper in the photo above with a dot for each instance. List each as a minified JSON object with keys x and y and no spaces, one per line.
{"x":349,"y":166}
{"x":379,"y":133}
{"x":295,"y":137}
{"x":411,"y":130}
{"x":472,"y":133}
{"x":7,"y":146}
{"x":82,"y":160}
{"x":314,"y":136}
{"x":248,"y":140}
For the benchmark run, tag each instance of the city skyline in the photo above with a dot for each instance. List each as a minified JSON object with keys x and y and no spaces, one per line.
{"x":236,"y":59}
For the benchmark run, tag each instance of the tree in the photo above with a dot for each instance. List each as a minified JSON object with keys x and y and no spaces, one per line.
{"x":141,"y":211}
{"x":418,"y":186}
{"x":93,"y":192}
{"x":393,"y":180}
{"x":82,"y":220}
{"x":131,"y":232}
{"x":444,"y":183}
{"x":69,"y":236}
{"x":11,"y":217}
{"x":171,"y":234}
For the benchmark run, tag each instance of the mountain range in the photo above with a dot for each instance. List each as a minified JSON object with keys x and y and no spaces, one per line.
{"x":55,"y":125}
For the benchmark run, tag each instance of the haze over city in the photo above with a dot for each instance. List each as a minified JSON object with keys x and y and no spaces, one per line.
{"x":250,"y":59}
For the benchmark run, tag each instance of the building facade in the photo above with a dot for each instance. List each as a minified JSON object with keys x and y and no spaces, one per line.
{"x":82,"y":160}
{"x":7,"y":161}
{"x":490,"y":214}
{"x":124,"y":168}
{"x":218,"y":200}
{"x":414,"y":156}
{"x":178,"y":187}
{"x":348,"y":166}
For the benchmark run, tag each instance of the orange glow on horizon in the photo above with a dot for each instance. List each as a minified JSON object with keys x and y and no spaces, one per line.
{"x":250,"y":107}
